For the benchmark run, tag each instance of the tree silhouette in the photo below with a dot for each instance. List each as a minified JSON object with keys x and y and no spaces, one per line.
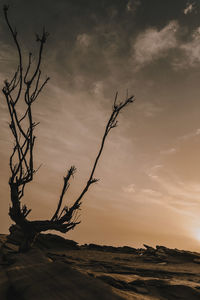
{"x":25,"y":86}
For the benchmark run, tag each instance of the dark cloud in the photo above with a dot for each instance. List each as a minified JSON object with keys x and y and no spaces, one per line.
{"x":109,"y":27}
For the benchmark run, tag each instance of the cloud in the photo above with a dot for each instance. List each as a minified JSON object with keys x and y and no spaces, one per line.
{"x":130,"y":188}
{"x":177,"y":189}
{"x":152,"y":173}
{"x":169,"y":151}
{"x":83,"y":40}
{"x":191,"y":50}
{"x":132,"y":5}
{"x":171,"y":192}
{"x":190,"y":135}
{"x":153,"y":43}
{"x":149,"y":109}
{"x":151,"y":192}
{"x":98,"y":89}
{"x":189,"y":8}
{"x":177,"y":178}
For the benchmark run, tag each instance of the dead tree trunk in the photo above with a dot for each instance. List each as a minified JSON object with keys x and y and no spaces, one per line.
{"x":26,"y":86}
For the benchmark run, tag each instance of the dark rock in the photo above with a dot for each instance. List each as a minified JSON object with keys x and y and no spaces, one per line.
{"x":11,"y":247}
{"x":161,"y":254}
{"x":4,"y":284}
{"x":119,"y":284}
{"x":52,"y":241}
{"x":137,"y":282}
{"x":124,"y":249}
{"x":151,"y":259}
{"x":187,"y":255}
{"x":127,"y":249}
{"x":3,"y":239}
{"x":164,"y":254}
{"x":141,"y":290}
{"x":149,"y":250}
{"x":164,"y":263}
{"x":94,"y":247}
{"x":162,"y":289}
{"x":156,"y":282}
{"x":182,"y":292}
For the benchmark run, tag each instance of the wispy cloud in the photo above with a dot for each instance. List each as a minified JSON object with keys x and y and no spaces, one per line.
{"x":191,"y":50}
{"x":98,"y":89}
{"x":189,"y":8}
{"x":175,"y":194}
{"x":189,"y":135}
{"x":130,"y":188}
{"x":179,"y":190}
{"x":169,"y":151}
{"x":178,"y":144}
{"x":132,"y":5}
{"x":153,"y":43}
{"x":83,"y":40}
{"x":151,"y":192}
{"x":149,"y":109}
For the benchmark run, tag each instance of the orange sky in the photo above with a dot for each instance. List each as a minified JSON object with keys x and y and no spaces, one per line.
{"x":149,"y":190}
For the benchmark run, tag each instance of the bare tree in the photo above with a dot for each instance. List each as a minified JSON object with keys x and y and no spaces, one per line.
{"x":25,"y":86}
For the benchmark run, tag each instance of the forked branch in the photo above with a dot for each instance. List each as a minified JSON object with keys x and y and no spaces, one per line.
{"x":67,"y":215}
{"x":23,"y":87}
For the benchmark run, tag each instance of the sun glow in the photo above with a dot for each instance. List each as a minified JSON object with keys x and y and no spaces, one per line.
{"x":197,"y":234}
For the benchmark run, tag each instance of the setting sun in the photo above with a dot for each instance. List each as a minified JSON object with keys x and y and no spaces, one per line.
{"x":197,"y":235}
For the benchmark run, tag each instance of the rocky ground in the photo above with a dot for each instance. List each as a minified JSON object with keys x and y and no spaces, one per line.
{"x":60,"y":269}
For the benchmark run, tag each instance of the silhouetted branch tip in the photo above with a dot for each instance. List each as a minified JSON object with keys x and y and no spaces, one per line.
{"x":43,"y":37}
{"x":94,"y":180}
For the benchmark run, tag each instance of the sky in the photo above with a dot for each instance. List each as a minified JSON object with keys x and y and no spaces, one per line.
{"x":149,"y":188}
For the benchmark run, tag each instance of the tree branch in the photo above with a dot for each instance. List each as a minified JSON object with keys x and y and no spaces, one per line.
{"x":69,"y":215}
